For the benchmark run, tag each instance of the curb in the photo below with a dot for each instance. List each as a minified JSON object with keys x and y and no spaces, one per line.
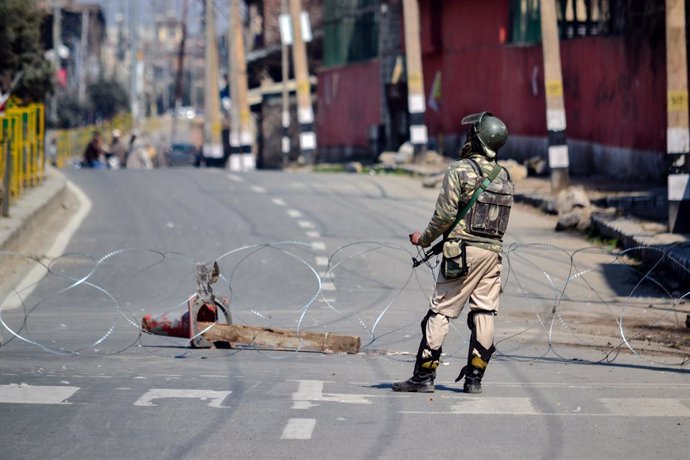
{"x":32,"y":208}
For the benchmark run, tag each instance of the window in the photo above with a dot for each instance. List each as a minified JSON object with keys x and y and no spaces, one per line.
{"x":576,"y":18}
{"x":351,"y":31}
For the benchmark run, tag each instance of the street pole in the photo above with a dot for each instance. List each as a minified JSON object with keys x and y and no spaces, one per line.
{"x":179,"y":78}
{"x":134,"y":62}
{"x":305,"y":111}
{"x":83,"y":46}
{"x":285,"y":115}
{"x":677,"y":134}
{"x":416,"y":105}
{"x":57,"y":41}
{"x":238,"y":64}
{"x":555,"y":107}
{"x":213,"y":147}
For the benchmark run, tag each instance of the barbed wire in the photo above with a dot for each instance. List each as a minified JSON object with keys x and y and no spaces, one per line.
{"x":589,"y":304}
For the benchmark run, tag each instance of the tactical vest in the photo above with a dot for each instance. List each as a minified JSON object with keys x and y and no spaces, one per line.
{"x":488,"y":217}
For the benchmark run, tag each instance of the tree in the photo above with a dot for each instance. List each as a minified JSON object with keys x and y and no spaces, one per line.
{"x":108,"y":98}
{"x":20,"y":49}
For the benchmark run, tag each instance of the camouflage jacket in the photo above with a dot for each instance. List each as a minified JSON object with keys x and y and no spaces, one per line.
{"x":458,"y":186}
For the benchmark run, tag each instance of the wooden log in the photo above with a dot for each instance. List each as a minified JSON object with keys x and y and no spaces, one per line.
{"x":271,"y":338}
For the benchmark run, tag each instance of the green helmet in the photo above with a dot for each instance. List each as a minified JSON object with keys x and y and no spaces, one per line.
{"x":488,"y":132}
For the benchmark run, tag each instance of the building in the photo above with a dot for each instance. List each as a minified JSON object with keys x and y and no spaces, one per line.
{"x":486,"y":55}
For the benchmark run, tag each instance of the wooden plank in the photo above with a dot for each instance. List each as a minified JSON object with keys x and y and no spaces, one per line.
{"x":279,"y":339}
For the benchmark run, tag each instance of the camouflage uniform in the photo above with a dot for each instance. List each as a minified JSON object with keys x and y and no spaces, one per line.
{"x":481,"y":284}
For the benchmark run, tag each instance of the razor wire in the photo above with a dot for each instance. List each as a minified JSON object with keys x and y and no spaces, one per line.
{"x":588,"y":304}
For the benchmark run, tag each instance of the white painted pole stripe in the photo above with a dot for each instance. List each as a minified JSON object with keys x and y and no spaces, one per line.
{"x":416,"y":103}
{"x":418,"y":134}
{"x":307,"y":140}
{"x":215,"y":398}
{"x":677,"y":140}
{"x":305,"y":115}
{"x":555,"y":119}
{"x":285,"y":144}
{"x":558,"y":156}
{"x":678,"y":187}
{"x":299,"y":428}
{"x":28,"y":394}
{"x":278,"y":201}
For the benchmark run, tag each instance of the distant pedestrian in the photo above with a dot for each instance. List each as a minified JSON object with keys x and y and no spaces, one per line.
{"x":94,"y":154}
{"x":118,"y":148}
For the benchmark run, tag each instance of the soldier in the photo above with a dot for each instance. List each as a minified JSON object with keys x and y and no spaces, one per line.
{"x":471,"y":214}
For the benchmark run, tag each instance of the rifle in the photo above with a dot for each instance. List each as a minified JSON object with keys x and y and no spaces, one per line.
{"x":428,"y":254}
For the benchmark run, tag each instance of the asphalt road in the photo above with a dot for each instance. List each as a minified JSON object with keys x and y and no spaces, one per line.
{"x":323,"y":253}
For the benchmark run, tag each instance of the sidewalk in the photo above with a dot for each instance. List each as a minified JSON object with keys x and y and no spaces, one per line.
{"x":31,"y":209}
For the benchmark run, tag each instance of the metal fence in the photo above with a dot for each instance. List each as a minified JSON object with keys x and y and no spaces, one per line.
{"x":22,"y":153}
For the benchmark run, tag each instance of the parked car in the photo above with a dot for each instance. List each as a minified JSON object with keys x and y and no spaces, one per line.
{"x":183,"y":155}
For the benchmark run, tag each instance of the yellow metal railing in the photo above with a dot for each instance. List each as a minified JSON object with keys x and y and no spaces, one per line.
{"x":22,"y":152}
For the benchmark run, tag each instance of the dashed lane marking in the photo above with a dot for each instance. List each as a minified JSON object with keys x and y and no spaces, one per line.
{"x":321,"y":261}
{"x":235,"y":177}
{"x":258,"y":189}
{"x":278,"y":202}
{"x":299,"y":428}
{"x":313,"y":234}
{"x":305,"y":224}
{"x":294,"y":213}
{"x":318,"y":245}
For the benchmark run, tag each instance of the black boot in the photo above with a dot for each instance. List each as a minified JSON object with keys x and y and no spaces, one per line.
{"x":473,"y":374}
{"x":473,"y":381}
{"x":423,"y":383}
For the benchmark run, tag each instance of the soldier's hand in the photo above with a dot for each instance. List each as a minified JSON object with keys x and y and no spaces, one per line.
{"x":414,"y":238}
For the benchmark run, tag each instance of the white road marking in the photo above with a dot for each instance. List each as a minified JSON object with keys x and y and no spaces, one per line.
{"x":318,"y":245}
{"x":28,"y":394}
{"x":305,"y":224}
{"x":299,"y":428}
{"x":328,"y":286}
{"x":235,"y":178}
{"x":309,"y":391}
{"x":615,"y":407}
{"x":646,"y":407}
{"x":27,"y":285}
{"x":322,"y":261}
{"x":521,"y":406}
{"x":278,"y":202}
{"x":258,"y":189}
{"x":312,"y":234}
{"x":215,"y":398}
{"x":294,"y":213}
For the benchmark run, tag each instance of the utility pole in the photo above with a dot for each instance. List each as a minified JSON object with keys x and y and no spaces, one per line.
{"x":677,"y":132}
{"x":57,"y":43}
{"x":305,"y":112}
{"x":555,"y":108}
{"x":134,"y":62}
{"x":83,"y":52}
{"x":416,"y":105}
{"x":285,"y":115}
{"x":213,"y":147}
{"x":238,"y":74}
{"x":179,"y":78}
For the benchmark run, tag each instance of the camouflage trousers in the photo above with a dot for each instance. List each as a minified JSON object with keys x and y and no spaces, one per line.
{"x":481,"y":286}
